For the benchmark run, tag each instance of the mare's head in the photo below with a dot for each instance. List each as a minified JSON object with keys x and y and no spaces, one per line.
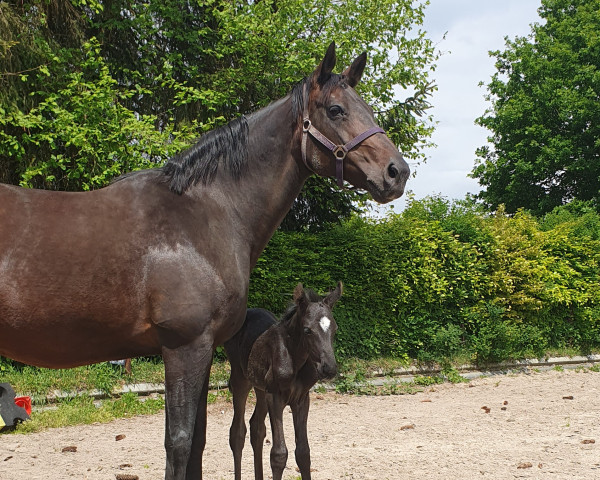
{"x":317,"y":328}
{"x":339,"y":135}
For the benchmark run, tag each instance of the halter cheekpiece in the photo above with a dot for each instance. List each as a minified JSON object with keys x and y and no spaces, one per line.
{"x":339,"y":151}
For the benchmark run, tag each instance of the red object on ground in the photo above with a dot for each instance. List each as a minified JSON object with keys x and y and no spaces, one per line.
{"x":24,"y":402}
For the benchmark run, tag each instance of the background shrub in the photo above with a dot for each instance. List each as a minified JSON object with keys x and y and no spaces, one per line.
{"x":442,"y":280}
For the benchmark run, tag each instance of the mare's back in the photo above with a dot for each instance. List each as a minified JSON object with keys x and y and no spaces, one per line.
{"x":257,"y":322}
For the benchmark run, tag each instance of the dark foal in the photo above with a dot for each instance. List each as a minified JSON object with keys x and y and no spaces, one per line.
{"x":282,"y":361}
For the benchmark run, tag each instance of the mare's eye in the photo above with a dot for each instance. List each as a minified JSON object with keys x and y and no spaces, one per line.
{"x":307,"y":331}
{"x":336,"y":111}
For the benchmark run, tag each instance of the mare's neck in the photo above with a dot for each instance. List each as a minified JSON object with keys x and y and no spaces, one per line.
{"x":274,"y":177}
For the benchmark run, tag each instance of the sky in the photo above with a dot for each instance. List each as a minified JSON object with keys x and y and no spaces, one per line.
{"x":473,"y":28}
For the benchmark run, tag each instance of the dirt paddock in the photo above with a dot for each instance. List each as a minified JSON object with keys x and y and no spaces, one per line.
{"x":541,"y":426}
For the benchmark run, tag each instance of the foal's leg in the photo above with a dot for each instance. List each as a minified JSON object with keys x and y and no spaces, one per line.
{"x":279,"y":452}
{"x":258,"y":432}
{"x":186,"y":376}
{"x":237,"y":433}
{"x":300,"y":413}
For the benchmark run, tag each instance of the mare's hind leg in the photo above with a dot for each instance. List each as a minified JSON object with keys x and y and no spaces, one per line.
{"x":279,"y":452}
{"x":258,"y":432}
{"x":186,"y":376}
{"x":237,"y":433}
{"x":300,"y":414}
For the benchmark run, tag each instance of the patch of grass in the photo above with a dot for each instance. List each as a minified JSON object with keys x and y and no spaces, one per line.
{"x":395,"y":387}
{"x":82,"y":410}
{"x":453,"y":375}
{"x":145,"y":371}
{"x":41,"y":382}
{"x":565,"y":352}
{"x":426,"y":380}
{"x":219,"y":373}
{"x":221,"y":393}
{"x":349,"y":385}
{"x":383,"y":365}
{"x":320,"y":388}
{"x":352,"y":381}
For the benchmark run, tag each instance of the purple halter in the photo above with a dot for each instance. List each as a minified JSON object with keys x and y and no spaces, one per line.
{"x":339,"y":151}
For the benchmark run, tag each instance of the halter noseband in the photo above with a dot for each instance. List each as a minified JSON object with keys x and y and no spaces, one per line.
{"x":339,"y":151}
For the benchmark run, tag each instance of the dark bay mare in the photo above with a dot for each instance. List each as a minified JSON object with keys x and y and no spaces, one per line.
{"x":159,"y":261}
{"x":282,"y":361}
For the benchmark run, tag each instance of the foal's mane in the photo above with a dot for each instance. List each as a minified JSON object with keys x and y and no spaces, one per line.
{"x":312,"y":296}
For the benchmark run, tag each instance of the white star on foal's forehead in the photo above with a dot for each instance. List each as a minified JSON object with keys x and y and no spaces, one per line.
{"x":325,"y":322}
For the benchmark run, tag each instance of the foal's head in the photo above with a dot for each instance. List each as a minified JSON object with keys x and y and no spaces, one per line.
{"x":318,"y":327}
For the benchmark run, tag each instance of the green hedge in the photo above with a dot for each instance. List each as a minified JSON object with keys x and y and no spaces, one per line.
{"x":442,"y":280}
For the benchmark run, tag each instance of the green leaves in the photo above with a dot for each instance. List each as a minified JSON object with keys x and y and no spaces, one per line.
{"x":443,"y":279}
{"x":544,"y":116}
{"x":93,"y":89}
{"x":80,"y":136}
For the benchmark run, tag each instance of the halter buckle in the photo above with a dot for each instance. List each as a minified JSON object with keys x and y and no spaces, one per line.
{"x":340,"y":152}
{"x":306,"y":125}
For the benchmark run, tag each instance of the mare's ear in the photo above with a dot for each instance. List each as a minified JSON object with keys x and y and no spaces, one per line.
{"x":299,"y":295}
{"x":323,"y":71}
{"x":334,"y":296}
{"x":354,"y":72}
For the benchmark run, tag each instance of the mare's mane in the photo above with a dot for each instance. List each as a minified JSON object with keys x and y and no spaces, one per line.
{"x":226,"y":147}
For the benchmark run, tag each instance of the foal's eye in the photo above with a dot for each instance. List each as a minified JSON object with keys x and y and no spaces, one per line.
{"x":336,"y":111}
{"x":307,"y":331}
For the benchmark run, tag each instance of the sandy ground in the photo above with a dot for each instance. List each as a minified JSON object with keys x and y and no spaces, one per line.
{"x":540,"y":426}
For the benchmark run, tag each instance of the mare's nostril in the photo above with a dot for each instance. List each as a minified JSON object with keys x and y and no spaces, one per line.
{"x":392,"y":171}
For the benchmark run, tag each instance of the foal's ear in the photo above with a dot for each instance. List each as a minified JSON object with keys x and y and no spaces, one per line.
{"x":354,"y":72}
{"x":334,"y":296}
{"x":323,"y":71}
{"x":299,"y":295}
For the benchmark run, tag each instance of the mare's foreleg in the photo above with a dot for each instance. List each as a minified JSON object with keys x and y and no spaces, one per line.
{"x":194,"y":467}
{"x":237,"y":432}
{"x":186,"y":384}
{"x":258,"y":432}
{"x":300,"y":414}
{"x":279,"y":452}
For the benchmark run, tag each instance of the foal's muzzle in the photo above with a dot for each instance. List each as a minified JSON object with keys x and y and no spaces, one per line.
{"x":326,"y":370}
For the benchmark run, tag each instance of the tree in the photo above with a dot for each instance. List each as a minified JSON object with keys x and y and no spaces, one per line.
{"x":184,"y":67}
{"x":545,"y":114}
